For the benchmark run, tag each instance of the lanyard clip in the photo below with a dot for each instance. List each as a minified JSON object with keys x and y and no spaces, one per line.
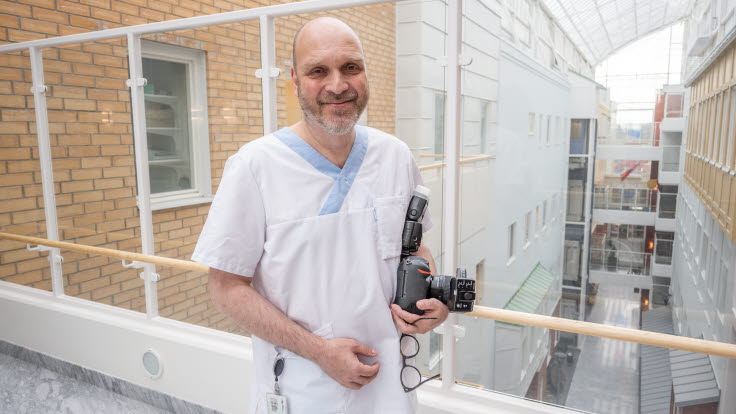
{"x":278,"y":368}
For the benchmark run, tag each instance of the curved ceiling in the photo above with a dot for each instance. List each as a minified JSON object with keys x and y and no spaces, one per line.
{"x":601,"y":27}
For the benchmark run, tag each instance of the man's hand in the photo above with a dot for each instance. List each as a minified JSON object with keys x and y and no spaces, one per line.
{"x":340,"y":361}
{"x":432,"y":308}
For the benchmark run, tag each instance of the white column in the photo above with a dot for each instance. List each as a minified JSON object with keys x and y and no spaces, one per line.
{"x":451,"y":176}
{"x":587,"y":216}
{"x":47,"y":170}
{"x":268,"y":74}
{"x":138,"y":109}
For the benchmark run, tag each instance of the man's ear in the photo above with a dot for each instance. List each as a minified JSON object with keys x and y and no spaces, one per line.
{"x":295,"y":81}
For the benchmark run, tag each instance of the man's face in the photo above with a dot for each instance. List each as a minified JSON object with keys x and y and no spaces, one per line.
{"x":330,"y":78}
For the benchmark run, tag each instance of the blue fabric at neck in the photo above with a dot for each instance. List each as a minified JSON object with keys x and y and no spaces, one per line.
{"x":343,"y":177}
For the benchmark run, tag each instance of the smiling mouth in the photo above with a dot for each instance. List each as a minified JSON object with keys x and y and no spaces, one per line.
{"x":338,"y":102}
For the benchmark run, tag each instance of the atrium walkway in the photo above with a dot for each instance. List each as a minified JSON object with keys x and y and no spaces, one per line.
{"x":606,"y":379}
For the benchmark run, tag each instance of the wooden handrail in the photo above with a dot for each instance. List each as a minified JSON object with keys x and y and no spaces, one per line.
{"x":138,"y":257}
{"x":502,"y":315}
{"x":465,"y":160}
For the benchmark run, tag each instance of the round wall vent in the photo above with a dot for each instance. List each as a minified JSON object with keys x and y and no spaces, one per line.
{"x":152,"y":364}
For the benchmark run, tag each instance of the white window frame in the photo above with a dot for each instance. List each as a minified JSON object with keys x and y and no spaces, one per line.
{"x":532,"y":124}
{"x":201,"y":191}
{"x":510,"y":236}
{"x":544,"y":215}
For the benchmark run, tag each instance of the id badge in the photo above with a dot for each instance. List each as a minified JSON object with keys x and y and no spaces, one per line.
{"x":275,"y":404}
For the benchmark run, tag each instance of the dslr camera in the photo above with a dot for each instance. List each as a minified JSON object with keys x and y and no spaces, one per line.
{"x":415,"y":280}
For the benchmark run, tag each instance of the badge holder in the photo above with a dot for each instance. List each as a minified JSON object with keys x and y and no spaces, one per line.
{"x":275,"y":402}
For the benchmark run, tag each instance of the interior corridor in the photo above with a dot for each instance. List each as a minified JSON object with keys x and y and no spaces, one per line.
{"x":606,"y":379}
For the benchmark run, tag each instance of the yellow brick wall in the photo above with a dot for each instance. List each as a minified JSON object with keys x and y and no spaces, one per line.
{"x":711,"y":142}
{"x":92,"y":146}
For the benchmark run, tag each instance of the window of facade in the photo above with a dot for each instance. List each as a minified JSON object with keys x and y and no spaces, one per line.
{"x":484,"y":118}
{"x":664,"y":241}
{"x":176,"y":125}
{"x":527,"y":228}
{"x":536,"y":223}
{"x":532,"y":123}
{"x":549,"y":129}
{"x":544,"y":214}
{"x":722,"y":288}
{"x":540,"y":118}
{"x":510,"y":237}
{"x":731,"y":133}
{"x":724,"y":135}
{"x":579,"y":129}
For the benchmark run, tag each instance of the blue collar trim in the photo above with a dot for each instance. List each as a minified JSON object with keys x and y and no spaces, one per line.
{"x":344,"y":177}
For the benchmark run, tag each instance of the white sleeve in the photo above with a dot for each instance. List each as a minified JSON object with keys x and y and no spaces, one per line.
{"x":415,"y":176}
{"x":233,"y":235}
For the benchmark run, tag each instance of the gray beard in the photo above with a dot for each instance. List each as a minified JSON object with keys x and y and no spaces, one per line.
{"x":341,"y":126}
{"x":337,"y":127}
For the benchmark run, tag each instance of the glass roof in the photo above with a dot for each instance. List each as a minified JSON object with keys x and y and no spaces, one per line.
{"x":601,"y":27}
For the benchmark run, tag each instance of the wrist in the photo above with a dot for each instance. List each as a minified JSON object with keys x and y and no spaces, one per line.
{"x":315,"y":350}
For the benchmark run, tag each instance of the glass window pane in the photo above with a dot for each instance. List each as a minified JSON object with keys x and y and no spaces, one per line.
{"x":579,"y":129}
{"x":167,"y":125}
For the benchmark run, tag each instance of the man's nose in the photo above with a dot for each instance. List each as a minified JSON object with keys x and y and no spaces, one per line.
{"x":336,"y":83}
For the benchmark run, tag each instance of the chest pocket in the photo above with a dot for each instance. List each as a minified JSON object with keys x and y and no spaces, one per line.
{"x":389,"y":213}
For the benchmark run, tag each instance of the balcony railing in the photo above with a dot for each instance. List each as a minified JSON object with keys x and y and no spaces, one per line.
{"x":632,"y":134}
{"x":623,"y":262}
{"x":624,"y":199}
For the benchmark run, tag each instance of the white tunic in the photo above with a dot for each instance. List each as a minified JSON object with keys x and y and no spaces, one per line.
{"x":322,"y":244}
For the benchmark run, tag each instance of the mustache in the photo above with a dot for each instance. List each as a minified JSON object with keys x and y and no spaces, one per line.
{"x":348,"y":95}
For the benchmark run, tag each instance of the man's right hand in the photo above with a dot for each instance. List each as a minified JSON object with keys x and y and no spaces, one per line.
{"x":340,"y":361}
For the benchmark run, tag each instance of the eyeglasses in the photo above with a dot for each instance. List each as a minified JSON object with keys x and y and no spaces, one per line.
{"x":411,"y":378}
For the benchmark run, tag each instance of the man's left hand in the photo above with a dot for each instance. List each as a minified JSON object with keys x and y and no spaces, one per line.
{"x":432,"y":308}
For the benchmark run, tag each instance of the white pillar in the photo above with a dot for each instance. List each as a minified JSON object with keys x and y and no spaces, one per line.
{"x":268,"y":74}
{"x":138,"y":109}
{"x":47,"y":170}
{"x":451,"y":176}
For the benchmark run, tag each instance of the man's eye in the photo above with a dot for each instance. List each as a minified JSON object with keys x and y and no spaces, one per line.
{"x":353,"y":68}
{"x":316,"y":72}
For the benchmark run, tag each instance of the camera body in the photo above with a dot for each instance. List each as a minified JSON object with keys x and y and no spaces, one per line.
{"x":415,"y":281}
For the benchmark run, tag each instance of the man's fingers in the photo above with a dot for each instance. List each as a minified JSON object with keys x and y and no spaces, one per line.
{"x":368,"y":370}
{"x":371,"y":378}
{"x":403,"y":326}
{"x":352,"y":385}
{"x":406,"y":316}
{"x":361,"y":349}
{"x":362,"y":380}
{"x":427,"y":304}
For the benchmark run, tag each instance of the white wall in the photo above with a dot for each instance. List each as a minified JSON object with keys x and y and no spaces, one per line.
{"x":510,"y":80}
{"x":704,"y":281}
{"x":529,"y":169}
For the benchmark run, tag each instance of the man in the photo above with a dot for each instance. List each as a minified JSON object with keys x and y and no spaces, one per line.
{"x":311,"y":216}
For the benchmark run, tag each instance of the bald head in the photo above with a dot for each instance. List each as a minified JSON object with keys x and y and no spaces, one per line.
{"x":316,"y":30}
